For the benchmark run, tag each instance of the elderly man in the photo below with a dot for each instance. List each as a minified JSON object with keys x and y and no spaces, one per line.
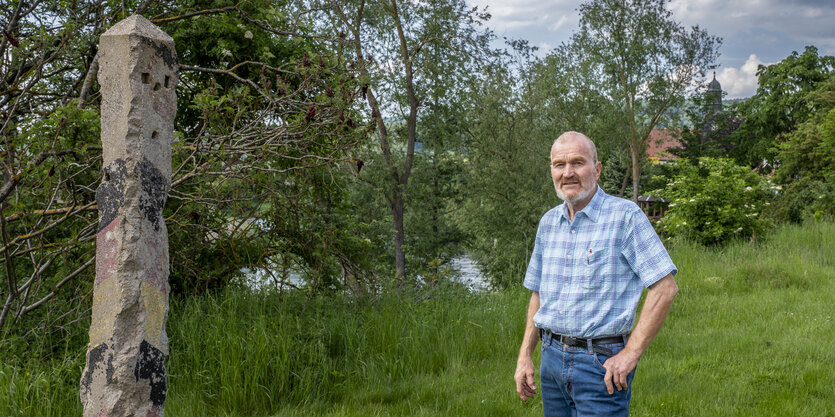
{"x":592,"y":258}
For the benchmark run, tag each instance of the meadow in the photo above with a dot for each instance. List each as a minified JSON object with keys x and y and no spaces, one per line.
{"x":750,"y":334}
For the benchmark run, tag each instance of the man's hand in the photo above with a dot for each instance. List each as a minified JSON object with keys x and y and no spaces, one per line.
{"x":525,"y":383}
{"x":618,"y":368}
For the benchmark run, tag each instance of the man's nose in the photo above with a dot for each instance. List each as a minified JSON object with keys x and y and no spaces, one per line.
{"x":568,"y":171}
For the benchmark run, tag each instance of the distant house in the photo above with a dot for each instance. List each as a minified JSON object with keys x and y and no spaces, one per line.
{"x":659,"y":144}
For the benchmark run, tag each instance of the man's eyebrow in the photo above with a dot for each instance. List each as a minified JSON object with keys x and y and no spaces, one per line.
{"x":573,"y":159}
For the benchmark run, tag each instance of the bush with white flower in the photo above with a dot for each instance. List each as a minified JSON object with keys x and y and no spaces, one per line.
{"x":714,"y":200}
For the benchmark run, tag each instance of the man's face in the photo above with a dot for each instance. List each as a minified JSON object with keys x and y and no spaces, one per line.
{"x":574,"y":173}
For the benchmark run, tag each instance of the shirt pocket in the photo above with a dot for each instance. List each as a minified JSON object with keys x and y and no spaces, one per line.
{"x":597,"y":263}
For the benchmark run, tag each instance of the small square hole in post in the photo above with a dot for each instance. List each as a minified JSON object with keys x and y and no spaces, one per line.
{"x":157,"y":86}
{"x":154,"y":135}
{"x":146,"y":78}
{"x":165,"y":84}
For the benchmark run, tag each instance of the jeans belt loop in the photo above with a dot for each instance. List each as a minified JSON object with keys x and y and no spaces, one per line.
{"x":590,"y":345}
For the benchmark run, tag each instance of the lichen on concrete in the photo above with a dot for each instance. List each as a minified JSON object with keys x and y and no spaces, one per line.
{"x":125,"y":371}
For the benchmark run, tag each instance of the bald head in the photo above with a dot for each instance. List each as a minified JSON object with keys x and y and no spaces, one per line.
{"x":572,"y":136}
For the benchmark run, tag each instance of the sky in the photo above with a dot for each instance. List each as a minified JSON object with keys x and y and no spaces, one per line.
{"x":753,"y":32}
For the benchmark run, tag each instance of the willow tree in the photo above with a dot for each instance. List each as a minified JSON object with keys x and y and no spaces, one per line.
{"x":644,"y":60}
{"x":397,"y":45}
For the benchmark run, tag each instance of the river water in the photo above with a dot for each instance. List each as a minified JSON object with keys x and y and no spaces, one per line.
{"x":469,"y":274}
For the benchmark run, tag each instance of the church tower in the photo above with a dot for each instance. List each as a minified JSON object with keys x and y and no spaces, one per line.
{"x":714,"y":96}
{"x":712,"y":105}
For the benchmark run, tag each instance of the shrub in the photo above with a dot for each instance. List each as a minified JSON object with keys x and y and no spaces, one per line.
{"x":714,"y":200}
{"x":800,"y":200}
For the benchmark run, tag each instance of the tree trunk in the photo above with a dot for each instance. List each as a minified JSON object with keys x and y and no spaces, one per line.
{"x":636,"y":171}
{"x":397,"y":211}
{"x":624,"y":182}
{"x":436,"y":215}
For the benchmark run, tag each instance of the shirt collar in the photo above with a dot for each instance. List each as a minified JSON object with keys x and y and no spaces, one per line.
{"x":591,"y":210}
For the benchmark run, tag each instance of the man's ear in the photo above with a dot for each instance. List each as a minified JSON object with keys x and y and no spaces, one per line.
{"x":599,"y":168}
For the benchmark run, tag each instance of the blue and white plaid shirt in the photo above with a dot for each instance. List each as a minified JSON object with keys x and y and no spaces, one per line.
{"x":590,"y":273}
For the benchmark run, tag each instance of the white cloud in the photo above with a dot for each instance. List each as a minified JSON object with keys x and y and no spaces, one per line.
{"x":796,"y":21}
{"x":742,"y":81}
{"x":530,"y":14}
{"x":559,"y":23}
{"x":759,"y":30}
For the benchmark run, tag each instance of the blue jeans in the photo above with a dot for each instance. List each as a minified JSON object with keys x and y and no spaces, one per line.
{"x":571,"y":379}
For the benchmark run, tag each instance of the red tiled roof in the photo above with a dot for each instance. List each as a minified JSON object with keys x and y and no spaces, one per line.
{"x":660,"y":140}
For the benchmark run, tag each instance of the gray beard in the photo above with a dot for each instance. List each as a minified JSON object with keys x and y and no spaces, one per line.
{"x":582,"y":195}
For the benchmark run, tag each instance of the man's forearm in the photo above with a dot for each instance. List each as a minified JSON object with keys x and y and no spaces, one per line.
{"x":653,"y":313}
{"x":531,"y":337}
{"x":524,"y":376}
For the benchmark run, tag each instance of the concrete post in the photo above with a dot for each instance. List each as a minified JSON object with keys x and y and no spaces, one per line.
{"x":125,"y":371}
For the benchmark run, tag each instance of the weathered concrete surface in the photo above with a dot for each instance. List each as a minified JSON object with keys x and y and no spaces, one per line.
{"x":125,"y":372}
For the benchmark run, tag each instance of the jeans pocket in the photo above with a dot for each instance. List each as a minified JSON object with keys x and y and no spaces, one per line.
{"x":600,"y":358}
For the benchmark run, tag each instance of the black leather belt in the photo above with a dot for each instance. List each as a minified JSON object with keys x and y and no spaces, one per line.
{"x":581,"y":342}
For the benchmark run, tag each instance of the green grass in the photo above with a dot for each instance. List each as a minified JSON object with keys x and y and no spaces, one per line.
{"x":750,"y":334}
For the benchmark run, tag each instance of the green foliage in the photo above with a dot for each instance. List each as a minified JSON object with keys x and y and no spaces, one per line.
{"x":707,"y":131}
{"x":264,"y":121}
{"x":714,"y":201}
{"x":780,"y":105}
{"x":507,"y":182}
{"x":807,"y":161}
{"x":428,"y":52}
{"x":434,"y":197}
{"x":800,"y":199}
{"x":644,"y":61}
{"x":274,"y":138}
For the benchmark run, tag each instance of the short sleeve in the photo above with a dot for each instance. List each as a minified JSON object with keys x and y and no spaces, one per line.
{"x":644,"y":251}
{"x":534,"y":273}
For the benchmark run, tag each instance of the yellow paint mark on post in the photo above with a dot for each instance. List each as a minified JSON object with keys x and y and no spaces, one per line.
{"x":105,"y":307}
{"x":156,"y":305}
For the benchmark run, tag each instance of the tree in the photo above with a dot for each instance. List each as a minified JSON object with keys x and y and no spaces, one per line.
{"x":506,"y":181}
{"x":645,"y":62}
{"x":264,"y":117}
{"x":708,"y":132}
{"x":779,"y":105}
{"x":806,"y":170}
{"x":396,"y":46}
